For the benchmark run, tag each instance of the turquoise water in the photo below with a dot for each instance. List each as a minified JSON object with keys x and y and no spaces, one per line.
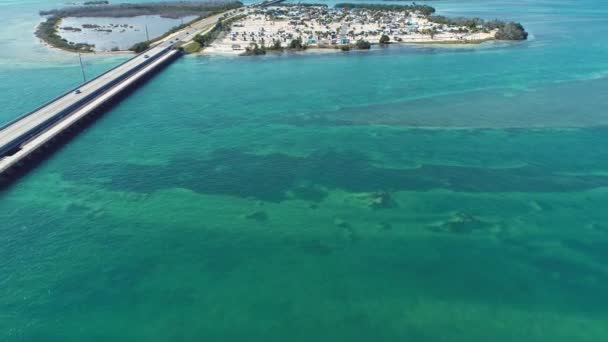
{"x":402,"y":194}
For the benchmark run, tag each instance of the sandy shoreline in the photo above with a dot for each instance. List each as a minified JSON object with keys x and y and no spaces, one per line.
{"x":328,"y":29}
{"x":225,"y":50}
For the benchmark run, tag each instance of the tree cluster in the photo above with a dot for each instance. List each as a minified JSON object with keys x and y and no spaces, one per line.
{"x":512,"y":31}
{"x":296,"y":44}
{"x":363,"y":45}
{"x":140,"y":47}
{"x":506,"y":30}
{"x":47,"y":31}
{"x":422,"y":9}
{"x":165,"y":9}
{"x":254,"y":50}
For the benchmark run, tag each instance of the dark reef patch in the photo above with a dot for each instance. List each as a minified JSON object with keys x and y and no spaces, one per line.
{"x":271,"y":177}
{"x":309,"y":193}
{"x":596,"y":249}
{"x":260,"y":216}
{"x":316,"y":247}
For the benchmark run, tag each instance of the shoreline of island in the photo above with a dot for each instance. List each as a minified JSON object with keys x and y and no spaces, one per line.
{"x":345,"y":27}
{"x":298,"y":27}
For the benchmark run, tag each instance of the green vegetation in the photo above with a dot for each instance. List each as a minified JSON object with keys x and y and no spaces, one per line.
{"x":506,"y":30}
{"x":363,"y":45}
{"x":198,"y":42}
{"x":207,"y":38}
{"x":283,"y":4}
{"x":164,"y":9}
{"x":470,"y":23}
{"x":422,"y":9}
{"x":296,"y":44}
{"x":431,"y":32}
{"x":191,"y":47}
{"x":47,"y":31}
{"x":102,"y":2}
{"x":140,"y":47}
{"x":276,"y":46}
{"x":512,"y":31}
{"x":385,"y":39}
{"x":222,"y":25}
{"x":254,"y":50}
{"x":345,"y":47}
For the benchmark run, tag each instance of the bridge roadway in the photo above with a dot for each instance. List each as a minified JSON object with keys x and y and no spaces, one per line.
{"x":24,"y":135}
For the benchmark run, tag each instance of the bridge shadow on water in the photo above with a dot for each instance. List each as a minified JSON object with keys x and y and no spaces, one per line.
{"x":40,"y":155}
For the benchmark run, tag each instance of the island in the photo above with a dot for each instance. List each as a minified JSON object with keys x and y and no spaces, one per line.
{"x":276,"y":26}
{"x":347,"y":26}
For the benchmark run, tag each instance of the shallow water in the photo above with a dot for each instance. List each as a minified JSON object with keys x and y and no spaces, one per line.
{"x":409,"y":193}
{"x":118,"y":33}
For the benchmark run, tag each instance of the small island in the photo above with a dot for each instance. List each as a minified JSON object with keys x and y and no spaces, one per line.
{"x":277,"y":26}
{"x":349,"y":26}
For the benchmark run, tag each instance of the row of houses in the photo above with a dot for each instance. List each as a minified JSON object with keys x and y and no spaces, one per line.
{"x":320,"y":25}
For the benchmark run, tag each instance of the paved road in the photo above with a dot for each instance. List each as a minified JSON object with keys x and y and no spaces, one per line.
{"x":30,"y":125}
{"x":188,"y":34}
{"x":26,"y":124}
{"x":75,"y":116}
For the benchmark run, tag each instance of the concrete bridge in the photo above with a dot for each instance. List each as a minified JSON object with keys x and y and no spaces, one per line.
{"x":22,"y":139}
{"x":25,"y":138}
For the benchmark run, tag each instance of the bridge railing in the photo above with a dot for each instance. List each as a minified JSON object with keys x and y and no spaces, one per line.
{"x":87,"y":98}
{"x":72,"y":90}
